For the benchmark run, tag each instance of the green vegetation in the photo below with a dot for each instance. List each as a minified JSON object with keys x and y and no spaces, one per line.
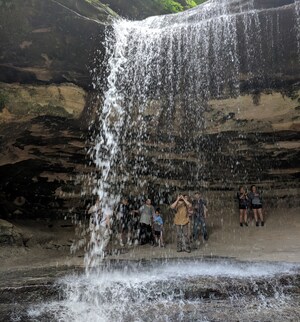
{"x":171,"y":5}
{"x":180,"y":5}
{"x":140,"y":9}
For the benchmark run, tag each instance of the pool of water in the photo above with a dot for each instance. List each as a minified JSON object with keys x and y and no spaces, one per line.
{"x":200,"y":290}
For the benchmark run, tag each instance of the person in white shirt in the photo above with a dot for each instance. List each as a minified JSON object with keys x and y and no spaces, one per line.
{"x":146,"y":212}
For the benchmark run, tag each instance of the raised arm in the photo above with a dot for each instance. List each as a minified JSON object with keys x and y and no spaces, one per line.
{"x":92,"y":209}
{"x":174,"y":204}
{"x":187,"y":203}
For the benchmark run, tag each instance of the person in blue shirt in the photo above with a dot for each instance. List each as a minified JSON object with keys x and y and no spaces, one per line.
{"x":158,"y":228}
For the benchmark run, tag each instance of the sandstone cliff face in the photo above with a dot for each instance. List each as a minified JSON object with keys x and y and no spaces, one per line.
{"x":46,"y":48}
{"x":56,"y":40}
{"x":50,"y":41}
{"x":253,"y":138}
{"x":218,"y":95}
{"x":42,"y":149}
{"x":244,"y":140}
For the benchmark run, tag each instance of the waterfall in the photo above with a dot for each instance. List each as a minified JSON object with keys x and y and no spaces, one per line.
{"x":162,"y":73}
{"x":297,"y":14}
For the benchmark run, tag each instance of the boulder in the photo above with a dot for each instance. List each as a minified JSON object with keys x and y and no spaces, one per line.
{"x":10,"y":234}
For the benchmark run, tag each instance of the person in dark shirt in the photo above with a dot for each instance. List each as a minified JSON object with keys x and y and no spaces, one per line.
{"x":123,"y":221}
{"x":199,"y":207}
{"x":256,"y":205}
{"x":146,"y":212}
{"x":243,"y":205}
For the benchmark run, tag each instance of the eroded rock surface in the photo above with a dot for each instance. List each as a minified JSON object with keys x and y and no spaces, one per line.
{"x":50,"y":41}
{"x":252,"y":138}
{"x":42,"y":149}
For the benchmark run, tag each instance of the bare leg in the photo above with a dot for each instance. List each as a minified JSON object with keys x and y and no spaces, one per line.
{"x":161,"y":239}
{"x":255,"y":216}
{"x":261,"y":216}
{"x":245,"y":217}
{"x":241,"y":216}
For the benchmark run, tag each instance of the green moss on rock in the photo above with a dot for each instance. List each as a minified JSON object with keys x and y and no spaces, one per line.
{"x":139,"y":9}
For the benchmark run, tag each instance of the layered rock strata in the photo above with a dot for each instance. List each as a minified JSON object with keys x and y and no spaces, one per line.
{"x":252,"y":138}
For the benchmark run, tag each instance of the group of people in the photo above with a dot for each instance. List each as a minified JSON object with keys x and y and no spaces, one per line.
{"x":138,"y":226}
{"x":250,"y":201}
{"x":145,"y":224}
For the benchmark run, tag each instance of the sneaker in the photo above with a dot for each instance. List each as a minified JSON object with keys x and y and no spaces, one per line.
{"x":129,"y":242}
{"x":262,"y":223}
{"x":136,"y":242}
{"x":121,"y":244}
{"x":241,"y":224}
{"x":257,"y":224}
{"x":246,"y":224}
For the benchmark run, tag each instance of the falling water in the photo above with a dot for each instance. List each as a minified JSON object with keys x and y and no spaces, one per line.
{"x":162,"y":72}
{"x":297,"y":14}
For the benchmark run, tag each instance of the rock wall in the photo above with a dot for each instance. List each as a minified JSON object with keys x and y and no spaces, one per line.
{"x":42,"y":149}
{"x":245,"y":140}
{"x":46,"y":104}
{"x":214,"y":102}
{"x":52,"y":41}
